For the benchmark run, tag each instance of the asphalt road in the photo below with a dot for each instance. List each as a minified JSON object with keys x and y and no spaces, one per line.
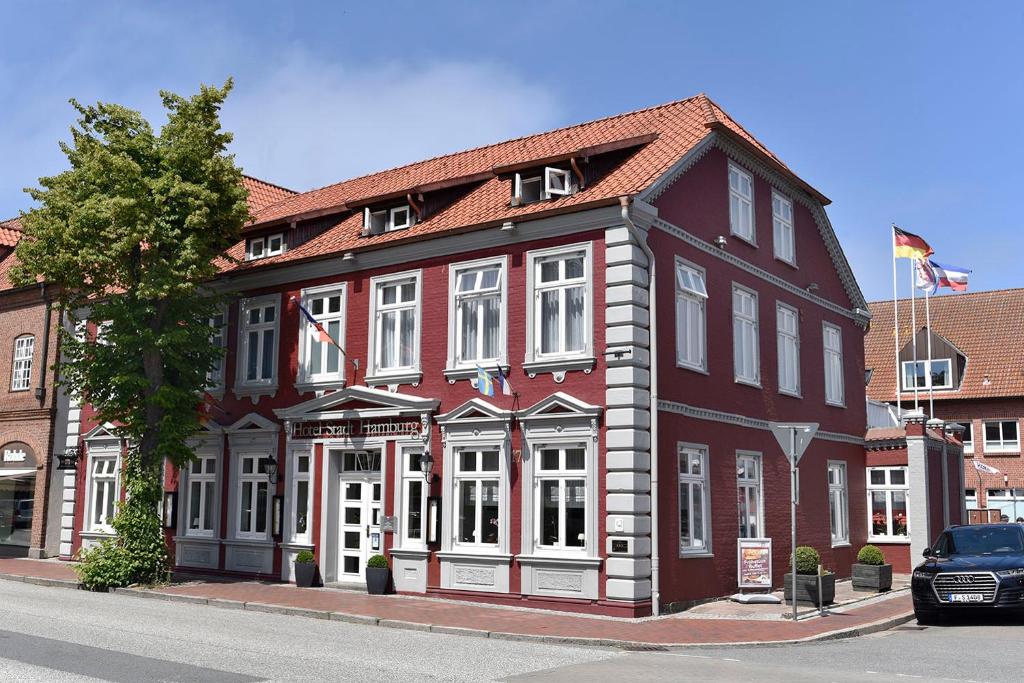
{"x":49,"y":634}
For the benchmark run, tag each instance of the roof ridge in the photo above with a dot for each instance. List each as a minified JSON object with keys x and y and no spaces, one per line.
{"x":501,"y":142}
{"x":267,"y":182}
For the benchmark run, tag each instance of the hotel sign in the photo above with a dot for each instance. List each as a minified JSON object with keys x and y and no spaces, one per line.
{"x":347,"y":429}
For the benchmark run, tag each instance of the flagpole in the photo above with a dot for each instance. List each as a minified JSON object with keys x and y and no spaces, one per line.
{"x":913,"y":325}
{"x":928,"y":368}
{"x":896,"y":320}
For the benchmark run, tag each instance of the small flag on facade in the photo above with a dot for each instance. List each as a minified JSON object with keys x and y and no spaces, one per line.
{"x":506,"y":386}
{"x":982,"y":467}
{"x":908,"y":245}
{"x":206,"y":407}
{"x":322,"y":334}
{"x":953,"y":277}
{"x":484,"y":382}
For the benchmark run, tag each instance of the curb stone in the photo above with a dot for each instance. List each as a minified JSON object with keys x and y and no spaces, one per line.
{"x":406,"y":625}
{"x":460,"y":631}
{"x":354,"y":618}
{"x":40,"y":581}
{"x":290,"y":611}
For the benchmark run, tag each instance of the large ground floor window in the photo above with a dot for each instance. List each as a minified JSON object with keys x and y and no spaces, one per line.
{"x":17,"y":496}
{"x":887,"y":503}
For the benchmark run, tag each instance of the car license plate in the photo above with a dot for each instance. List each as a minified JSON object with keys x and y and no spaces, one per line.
{"x":966,"y":597}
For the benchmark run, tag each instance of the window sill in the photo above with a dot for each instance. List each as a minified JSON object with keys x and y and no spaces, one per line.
{"x":255,"y":391}
{"x":833,"y":404}
{"x":574,"y":559}
{"x":786,"y":262}
{"x":695,"y":555}
{"x":303,"y":386}
{"x":559,"y":366}
{"x":295,"y":545}
{"x":693,"y":368}
{"x":750,"y":241}
{"x":453,"y":374}
{"x":791,"y":394}
{"x":97,"y":533}
{"x":205,"y":540}
{"x":412,"y":377}
{"x":888,"y":540}
{"x":482,"y":556}
{"x":841,"y":544}
{"x":747,"y":382}
{"x":410,"y":553}
{"x":254,"y":542}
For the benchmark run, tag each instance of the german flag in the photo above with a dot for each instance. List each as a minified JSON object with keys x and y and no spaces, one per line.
{"x":908,"y":245}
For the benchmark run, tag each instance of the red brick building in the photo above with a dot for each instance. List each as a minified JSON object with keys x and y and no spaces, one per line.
{"x":977,"y":377}
{"x":657,"y":285}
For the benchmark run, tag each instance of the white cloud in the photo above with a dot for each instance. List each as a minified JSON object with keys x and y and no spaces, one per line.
{"x":307,"y":123}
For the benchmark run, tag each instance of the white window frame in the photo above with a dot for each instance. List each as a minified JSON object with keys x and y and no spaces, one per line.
{"x":254,"y":478}
{"x":107,"y":455}
{"x":737,"y":200}
{"x":562,"y":475}
{"x":550,"y":191}
{"x":1003,"y":445}
{"x":888,"y":488}
{"x":517,"y":189}
{"x":295,"y":477}
{"x":788,"y":341}
{"x":21,"y":365}
{"x":202,"y":477}
{"x":783,"y":227}
{"x":754,"y":486}
{"x":691,"y":481}
{"x":838,"y":488}
{"x":535,"y":360}
{"x":309,"y":341}
{"x":739,"y":319}
{"x":265,"y":251}
{"x":409,"y":372}
{"x":971,"y":499}
{"x":477,"y":477}
{"x":244,"y":328}
{"x":217,"y":377}
{"x":409,"y":476}
{"x":968,"y":435}
{"x":834,"y":381}
{"x":388,"y":222}
{"x":455,"y":363}
{"x":691,"y":296}
{"x":927,"y":364}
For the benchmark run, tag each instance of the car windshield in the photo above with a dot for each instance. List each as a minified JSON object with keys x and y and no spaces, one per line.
{"x":974,"y":541}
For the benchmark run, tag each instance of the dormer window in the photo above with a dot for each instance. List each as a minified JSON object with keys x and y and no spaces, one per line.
{"x":529,"y":188}
{"x":386,"y":220}
{"x":262,"y":247}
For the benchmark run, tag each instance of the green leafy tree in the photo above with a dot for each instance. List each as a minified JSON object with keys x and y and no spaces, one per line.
{"x":131,"y":235}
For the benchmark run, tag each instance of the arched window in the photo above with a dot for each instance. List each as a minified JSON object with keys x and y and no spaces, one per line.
{"x":21,"y":370}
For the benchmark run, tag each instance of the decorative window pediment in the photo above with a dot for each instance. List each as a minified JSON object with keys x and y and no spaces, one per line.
{"x":559,"y":405}
{"x":100,"y":433}
{"x":252,"y":422}
{"x":357,"y":402}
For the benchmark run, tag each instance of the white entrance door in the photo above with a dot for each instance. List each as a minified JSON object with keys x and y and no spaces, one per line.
{"x":360,"y":535}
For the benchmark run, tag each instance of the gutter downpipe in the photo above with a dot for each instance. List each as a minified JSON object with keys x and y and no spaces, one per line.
{"x":641,"y":242}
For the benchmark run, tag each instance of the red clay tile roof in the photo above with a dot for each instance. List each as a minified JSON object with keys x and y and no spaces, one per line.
{"x":262,"y":194}
{"x":10,"y":232}
{"x":672,"y":130}
{"x":885,"y":434}
{"x":986,"y":326}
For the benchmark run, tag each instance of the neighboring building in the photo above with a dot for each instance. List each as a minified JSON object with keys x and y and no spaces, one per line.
{"x":28,"y":410}
{"x":977,"y":373}
{"x":636,"y":450}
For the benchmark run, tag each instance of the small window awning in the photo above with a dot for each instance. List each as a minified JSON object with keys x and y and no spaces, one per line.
{"x":16,"y":474}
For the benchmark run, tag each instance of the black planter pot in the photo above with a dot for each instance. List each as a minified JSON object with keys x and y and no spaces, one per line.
{"x":807,"y":589}
{"x":305,"y":574}
{"x":869,"y":577}
{"x":377,"y":579}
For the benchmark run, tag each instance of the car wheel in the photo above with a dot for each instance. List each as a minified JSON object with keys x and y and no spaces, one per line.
{"x":927,"y":618}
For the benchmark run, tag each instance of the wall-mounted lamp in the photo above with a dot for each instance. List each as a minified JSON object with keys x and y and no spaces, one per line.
{"x":720,"y":242}
{"x":170,"y":509}
{"x":270,"y":467}
{"x":426,"y":464}
{"x":348,"y":256}
{"x":68,"y":460}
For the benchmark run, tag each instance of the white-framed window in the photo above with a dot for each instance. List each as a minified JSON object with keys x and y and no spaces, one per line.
{"x":414,"y":499}
{"x":832,"y":342}
{"x":258,"y":329}
{"x":838,"y":503}
{"x":477,"y":311}
{"x":935,"y":374}
{"x":21,"y":369}
{"x":104,"y":492}
{"x":1001,"y":436}
{"x":322,"y":361}
{"x":748,"y":495}
{"x":253,"y":496}
{"x":968,"y":434}
{"x":787,"y":328}
{"x":386,"y":220}
{"x":971,"y":499}
{"x":534,"y":186}
{"x":560,"y":290}
{"x":395,"y":312}
{"x":741,"y":203}
{"x":264,"y":246}
{"x":888,"y":502}
{"x":782,"y":228}
{"x":746,"y":344}
{"x":201,"y":502}
{"x":477,"y":486}
{"x":301,"y":496}
{"x":691,"y":316}
{"x":560,"y":489}
{"x":694,"y":522}
{"x":215,"y":378}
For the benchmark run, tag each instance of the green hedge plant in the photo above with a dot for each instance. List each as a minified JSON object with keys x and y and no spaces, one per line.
{"x":377,"y":562}
{"x":870,"y":554}
{"x":304,"y":557}
{"x":807,"y":560}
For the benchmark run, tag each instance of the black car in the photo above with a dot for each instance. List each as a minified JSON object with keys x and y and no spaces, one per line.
{"x":971,"y":567}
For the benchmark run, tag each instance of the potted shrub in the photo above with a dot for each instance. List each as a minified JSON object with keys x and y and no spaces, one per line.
{"x":871,"y":573}
{"x":378,"y":575}
{"x":807,"y":561}
{"x":305,"y":569}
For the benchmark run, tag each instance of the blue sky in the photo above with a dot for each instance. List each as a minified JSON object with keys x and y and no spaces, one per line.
{"x":898,"y":111}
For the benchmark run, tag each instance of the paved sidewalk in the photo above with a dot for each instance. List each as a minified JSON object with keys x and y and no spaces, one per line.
{"x":447,"y":616}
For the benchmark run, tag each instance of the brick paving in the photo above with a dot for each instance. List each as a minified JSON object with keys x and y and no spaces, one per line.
{"x":673,"y":629}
